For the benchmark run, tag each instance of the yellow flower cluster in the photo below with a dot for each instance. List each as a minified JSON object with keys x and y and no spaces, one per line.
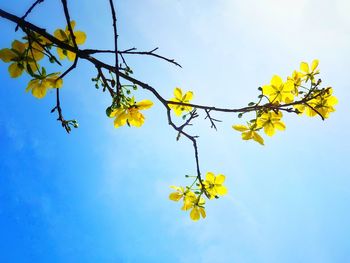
{"x":24,"y":57}
{"x":130,"y":113}
{"x":193,"y":199}
{"x":21,"y":58}
{"x":293,"y":93}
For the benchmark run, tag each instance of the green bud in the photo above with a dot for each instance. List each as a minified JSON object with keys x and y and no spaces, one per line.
{"x":109,"y":111}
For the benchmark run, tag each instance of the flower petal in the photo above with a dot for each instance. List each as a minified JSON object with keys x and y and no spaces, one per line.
{"x":240,"y":128}
{"x":314,"y":65}
{"x":19,"y":46}
{"x":7,"y":55}
{"x":120,"y":120}
{"x":188,"y":96}
{"x":60,"y":53}
{"x":202,"y":211}
{"x":144,"y":104}
{"x":304,"y":67}
{"x":269,"y":129}
{"x":176,"y":196}
{"x":61,"y":35}
{"x":80,"y":37}
{"x":280,"y":126}
{"x":15,"y":70}
{"x":276,"y":81}
{"x":220,"y":179}
{"x":195,"y":214}
{"x":178,"y":93}
{"x":258,"y":138}
{"x":72,"y":24}
{"x":221,"y":190}
{"x":210,"y":177}
{"x":39,"y":90}
{"x":247,"y":135}
{"x":71,"y":55}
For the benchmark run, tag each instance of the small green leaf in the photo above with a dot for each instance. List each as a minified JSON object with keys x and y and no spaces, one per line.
{"x":43,"y":71}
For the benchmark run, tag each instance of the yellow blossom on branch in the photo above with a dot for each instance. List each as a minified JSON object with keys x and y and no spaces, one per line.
{"x":65,"y":36}
{"x":279,"y":91}
{"x":40,"y":86}
{"x":214,"y":185}
{"x":309,"y":72}
{"x":20,"y":58}
{"x":130,"y":114}
{"x":182,"y":98}
{"x":271,"y":121}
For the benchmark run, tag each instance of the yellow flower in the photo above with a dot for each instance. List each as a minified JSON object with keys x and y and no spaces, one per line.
{"x":39,"y":87}
{"x":191,"y":201}
{"x":21,"y":58}
{"x":248,"y":133}
{"x":278,"y":91}
{"x":65,"y":36}
{"x":178,"y":109}
{"x":214,"y":185}
{"x":198,"y":209}
{"x":131,"y":115}
{"x":304,"y":67}
{"x":296,"y":78}
{"x":271,"y":121}
{"x":323,"y":104}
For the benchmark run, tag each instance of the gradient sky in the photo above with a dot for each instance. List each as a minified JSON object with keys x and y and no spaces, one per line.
{"x":101,"y":194}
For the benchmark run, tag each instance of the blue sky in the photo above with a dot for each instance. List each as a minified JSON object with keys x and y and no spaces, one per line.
{"x":101,"y":194}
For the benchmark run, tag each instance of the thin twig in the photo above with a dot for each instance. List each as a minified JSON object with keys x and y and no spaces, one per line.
{"x":29,"y":10}
{"x":114,"y":17}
